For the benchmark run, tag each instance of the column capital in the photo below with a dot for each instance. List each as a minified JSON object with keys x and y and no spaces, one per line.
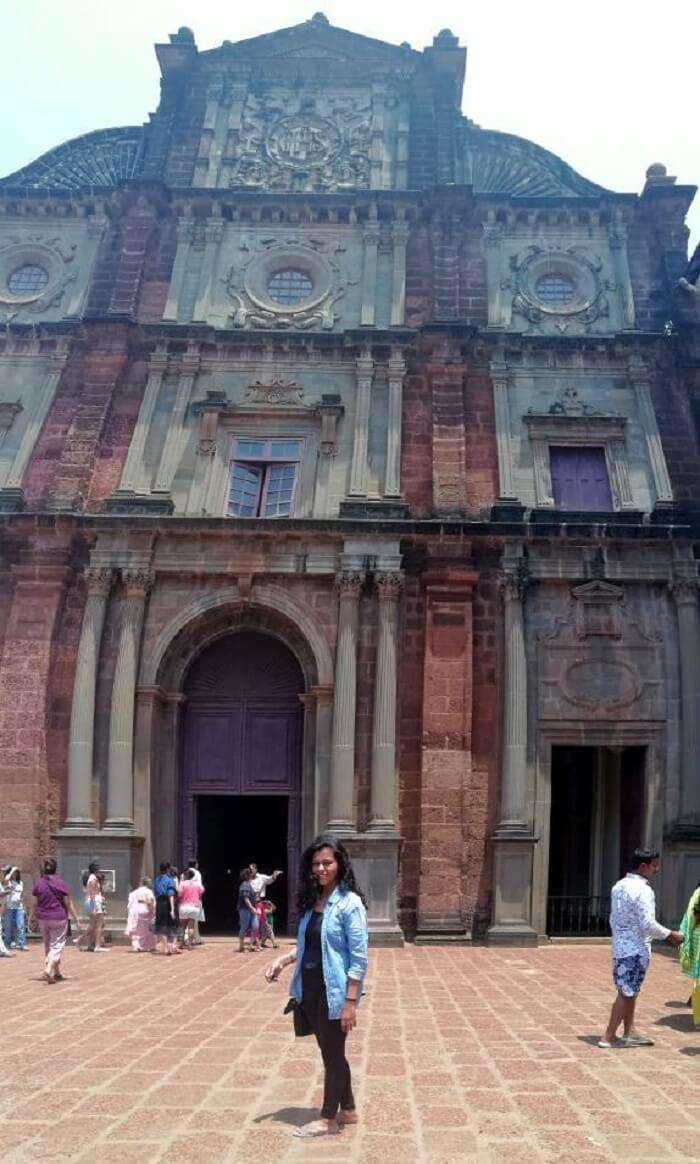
{"x":137,"y":582}
{"x":99,"y":580}
{"x":513,"y":582}
{"x":684,"y":591}
{"x":396,"y":365}
{"x":349,"y":583}
{"x":400,"y":232}
{"x":389,"y":584}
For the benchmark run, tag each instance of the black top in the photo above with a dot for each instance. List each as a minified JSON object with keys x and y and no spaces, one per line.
{"x":312,"y":943}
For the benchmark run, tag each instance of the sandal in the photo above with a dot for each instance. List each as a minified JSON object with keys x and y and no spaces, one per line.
{"x":313,"y":1131}
{"x":637,"y":1041}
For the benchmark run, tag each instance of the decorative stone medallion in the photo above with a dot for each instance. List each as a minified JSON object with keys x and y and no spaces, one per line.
{"x":302,"y":142}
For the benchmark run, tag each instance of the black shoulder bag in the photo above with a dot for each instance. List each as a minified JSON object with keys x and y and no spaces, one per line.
{"x":302,"y":1026}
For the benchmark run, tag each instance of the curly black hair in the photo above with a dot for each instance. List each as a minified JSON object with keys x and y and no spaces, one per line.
{"x":308,"y":885}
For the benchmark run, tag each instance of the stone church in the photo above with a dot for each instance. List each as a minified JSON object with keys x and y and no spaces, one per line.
{"x":349,"y":480}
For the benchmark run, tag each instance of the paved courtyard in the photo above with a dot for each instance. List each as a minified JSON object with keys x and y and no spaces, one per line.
{"x":461,"y":1055}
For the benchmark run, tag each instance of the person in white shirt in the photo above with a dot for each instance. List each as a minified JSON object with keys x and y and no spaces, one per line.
{"x":634,"y":925}
{"x":193,"y":867}
{"x":260,"y":882}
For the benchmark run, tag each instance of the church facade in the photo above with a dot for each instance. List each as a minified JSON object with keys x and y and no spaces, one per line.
{"x":348,"y":481}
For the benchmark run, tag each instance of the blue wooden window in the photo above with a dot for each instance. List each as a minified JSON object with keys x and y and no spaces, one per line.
{"x":580,"y":478}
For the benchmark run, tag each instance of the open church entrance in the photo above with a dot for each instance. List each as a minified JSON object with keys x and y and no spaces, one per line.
{"x":596,"y":821}
{"x":241,"y":780}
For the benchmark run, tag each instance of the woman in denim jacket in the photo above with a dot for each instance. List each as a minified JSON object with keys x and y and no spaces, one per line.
{"x":331,"y":962}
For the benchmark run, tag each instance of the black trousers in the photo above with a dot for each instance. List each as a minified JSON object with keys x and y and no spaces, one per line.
{"x":337,"y":1084}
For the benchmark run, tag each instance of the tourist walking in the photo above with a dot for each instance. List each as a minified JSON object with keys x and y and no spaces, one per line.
{"x":52,"y":910}
{"x":260,"y":882}
{"x":13,"y":916}
{"x":140,"y":914}
{"x":634,"y":925}
{"x":331,"y":963}
{"x":93,"y":885}
{"x":247,"y":913}
{"x":4,"y":894}
{"x":200,"y":918}
{"x":690,"y":950}
{"x":189,"y":897}
{"x":166,"y":917}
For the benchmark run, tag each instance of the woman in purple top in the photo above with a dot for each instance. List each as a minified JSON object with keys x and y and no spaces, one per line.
{"x":52,"y":910}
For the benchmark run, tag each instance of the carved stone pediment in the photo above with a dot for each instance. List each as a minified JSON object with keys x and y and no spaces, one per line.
{"x":276,"y":392}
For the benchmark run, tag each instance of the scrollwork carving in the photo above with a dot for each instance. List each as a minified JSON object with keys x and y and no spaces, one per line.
{"x":349,"y":583}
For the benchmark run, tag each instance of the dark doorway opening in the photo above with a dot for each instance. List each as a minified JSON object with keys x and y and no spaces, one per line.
{"x":232,"y":831}
{"x":597,"y":814}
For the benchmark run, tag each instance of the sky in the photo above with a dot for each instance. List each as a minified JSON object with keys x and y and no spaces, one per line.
{"x":609,"y":85}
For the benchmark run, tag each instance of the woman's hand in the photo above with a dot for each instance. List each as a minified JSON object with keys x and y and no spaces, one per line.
{"x":348,"y":1017}
{"x":274,"y":970}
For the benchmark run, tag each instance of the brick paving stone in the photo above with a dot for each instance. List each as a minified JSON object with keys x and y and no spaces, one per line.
{"x":461,"y":1055}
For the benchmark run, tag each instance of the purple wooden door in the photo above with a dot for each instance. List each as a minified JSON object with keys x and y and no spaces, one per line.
{"x":242,"y":730}
{"x":580,"y":479}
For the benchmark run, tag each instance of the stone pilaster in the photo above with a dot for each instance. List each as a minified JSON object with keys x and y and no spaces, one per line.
{"x":685,"y":595}
{"x":134,"y":475}
{"x":513,"y":839}
{"x":185,"y":236}
{"x":364,"y":369}
{"x":639,"y":376}
{"x":120,"y":780}
{"x":396,"y":370}
{"x":501,"y":405}
{"x":213,"y":234}
{"x":341,"y":807}
{"x":383,"y":789}
{"x":82,"y":723}
{"x":12,"y":485}
{"x":617,"y":237}
{"x":399,"y":235}
{"x":176,"y":434}
{"x":369,"y":274}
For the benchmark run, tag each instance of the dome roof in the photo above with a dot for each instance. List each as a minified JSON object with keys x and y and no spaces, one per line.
{"x":103,"y":158}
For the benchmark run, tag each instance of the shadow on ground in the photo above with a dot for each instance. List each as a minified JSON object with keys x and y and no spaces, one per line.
{"x":296,"y":1116}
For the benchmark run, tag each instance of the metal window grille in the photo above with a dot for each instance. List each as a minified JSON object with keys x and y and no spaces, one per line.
{"x":556,"y":290}
{"x":29,"y":279}
{"x":289,"y":286}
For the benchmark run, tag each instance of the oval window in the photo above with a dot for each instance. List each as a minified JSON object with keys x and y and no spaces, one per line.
{"x":29,"y":279}
{"x":556,"y":290}
{"x":289,"y":286}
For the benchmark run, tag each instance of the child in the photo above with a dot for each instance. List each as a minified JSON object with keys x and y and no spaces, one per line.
{"x":13,"y":918}
{"x":269,"y":931}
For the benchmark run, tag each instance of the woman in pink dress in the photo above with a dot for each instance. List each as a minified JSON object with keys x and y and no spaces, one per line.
{"x":141,"y":909}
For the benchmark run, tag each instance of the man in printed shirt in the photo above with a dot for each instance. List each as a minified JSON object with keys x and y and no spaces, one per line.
{"x":633,"y":924}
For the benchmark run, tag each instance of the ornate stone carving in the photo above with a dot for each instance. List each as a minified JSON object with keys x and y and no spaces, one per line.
{"x":277,"y":391}
{"x":318,"y":144}
{"x":513,"y":582}
{"x":589,"y":302}
{"x":389,"y":585}
{"x":349,"y":583}
{"x":53,"y":255}
{"x":137,"y":582}
{"x":601,"y":683}
{"x":99,"y":580}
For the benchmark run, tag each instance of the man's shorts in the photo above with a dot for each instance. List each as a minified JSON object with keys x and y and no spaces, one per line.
{"x":628,"y":974}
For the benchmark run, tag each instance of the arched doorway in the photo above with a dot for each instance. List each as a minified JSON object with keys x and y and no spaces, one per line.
{"x":241,"y":769}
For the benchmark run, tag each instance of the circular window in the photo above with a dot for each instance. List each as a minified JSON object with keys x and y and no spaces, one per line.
{"x":556,"y":290}
{"x":28,"y":279}
{"x":289,"y":286}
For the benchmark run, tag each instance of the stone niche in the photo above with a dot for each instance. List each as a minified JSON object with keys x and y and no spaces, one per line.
{"x":600,"y":657}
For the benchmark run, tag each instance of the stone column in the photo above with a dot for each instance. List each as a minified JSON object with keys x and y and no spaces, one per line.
{"x":134,"y":476}
{"x":213,"y":234}
{"x":176,"y":434}
{"x":639,"y":375}
{"x":617,"y":237}
{"x":514,"y":773}
{"x":513,"y":840}
{"x":396,"y":370}
{"x":399,"y":235}
{"x":358,"y":471}
{"x":120,"y":780}
{"x":685,"y":595}
{"x":369,"y":274}
{"x":383,"y":789}
{"x":82,"y":721}
{"x":185,"y":236}
{"x":341,"y":811}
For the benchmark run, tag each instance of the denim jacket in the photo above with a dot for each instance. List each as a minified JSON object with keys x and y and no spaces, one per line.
{"x":343,"y":948}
